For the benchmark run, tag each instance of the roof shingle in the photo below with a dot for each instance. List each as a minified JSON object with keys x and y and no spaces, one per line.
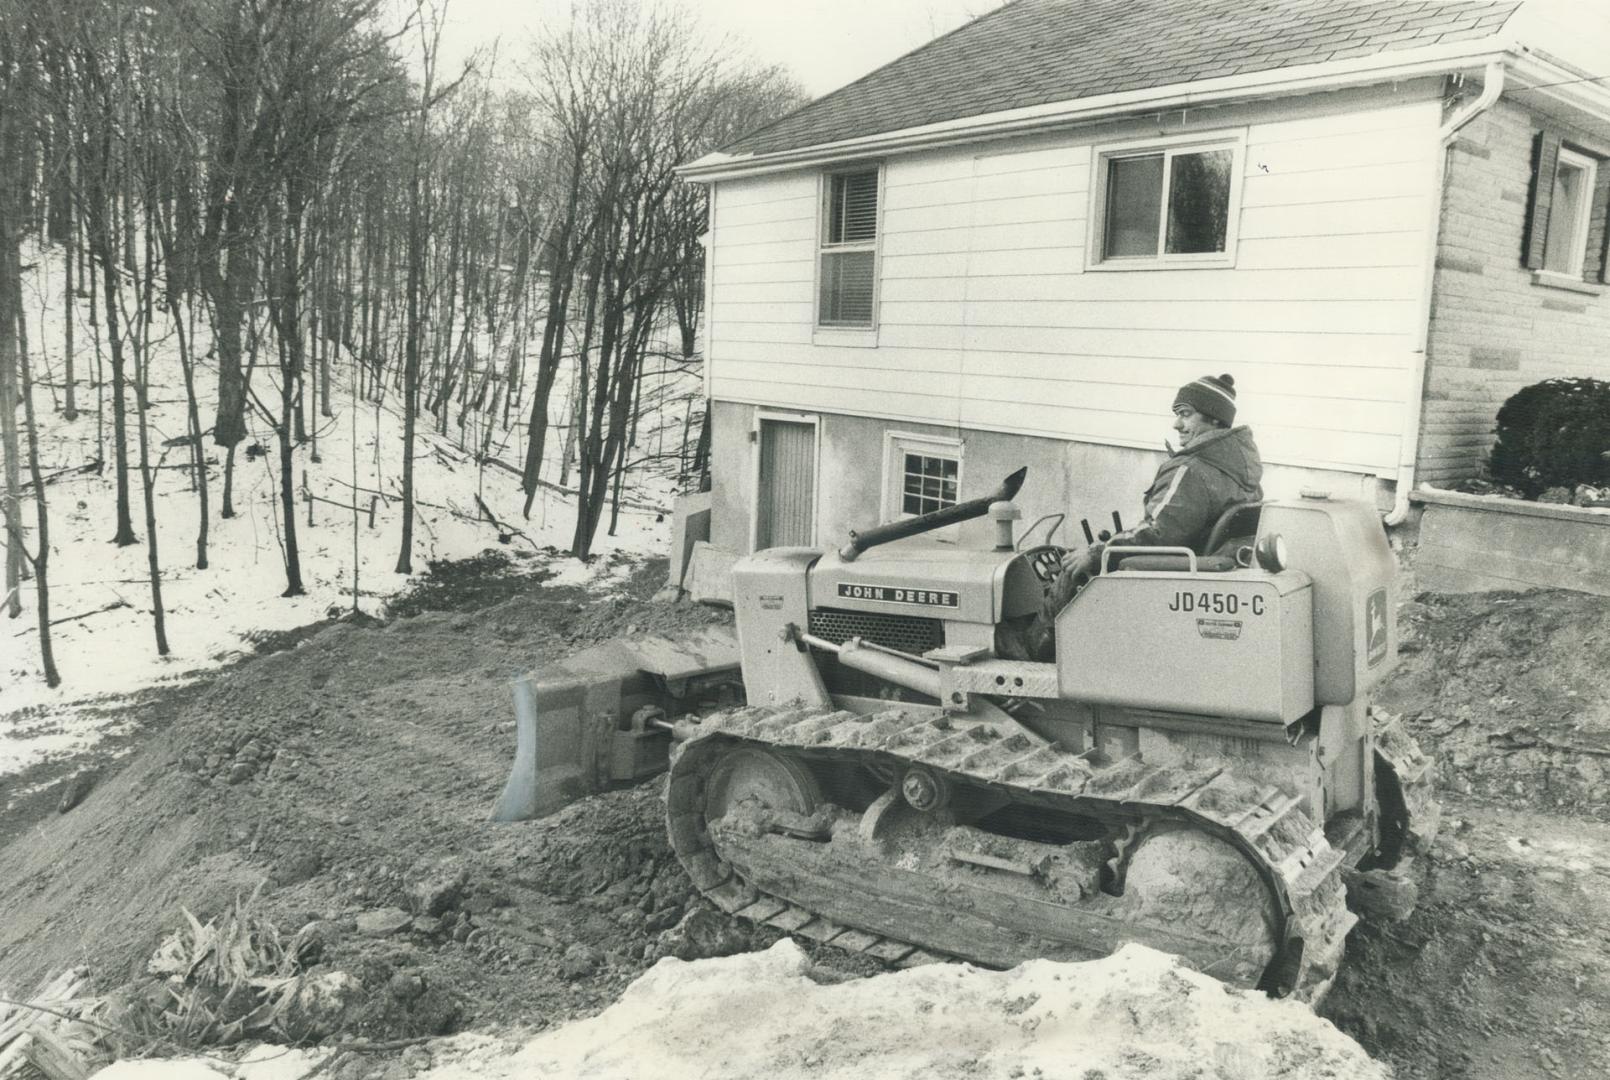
{"x":1035,"y":52}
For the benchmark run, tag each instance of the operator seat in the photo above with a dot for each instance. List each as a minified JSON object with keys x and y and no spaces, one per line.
{"x":1235,"y":529}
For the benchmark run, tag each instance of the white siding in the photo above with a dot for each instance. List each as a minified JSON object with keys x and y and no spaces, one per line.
{"x":988,"y":317}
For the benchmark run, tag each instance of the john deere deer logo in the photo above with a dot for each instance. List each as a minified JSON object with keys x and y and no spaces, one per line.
{"x":1375,"y":627}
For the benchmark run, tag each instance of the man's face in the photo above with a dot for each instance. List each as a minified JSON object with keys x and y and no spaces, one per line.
{"x":1190,"y":424}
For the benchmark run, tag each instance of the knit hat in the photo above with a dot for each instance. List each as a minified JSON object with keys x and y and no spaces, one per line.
{"x":1212,"y":396}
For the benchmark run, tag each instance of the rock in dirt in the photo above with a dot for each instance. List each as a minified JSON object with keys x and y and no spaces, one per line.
{"x":320,"y":1005}
{"x":406,"y":986}
{"x":703,"y":934}
{"x":384,"y":922}
{"x":77,"y":787}
{"x":580,"y":961}
{"x":439,"y":894}
{"x":296,"y":867}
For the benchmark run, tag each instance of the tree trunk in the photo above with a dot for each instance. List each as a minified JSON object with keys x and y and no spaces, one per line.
{"x":416,"y":255}
{"x":187,"y":365}
{"x":101,"y":237}
{"x":9,"y":236}
{"x":68,"y":307}
{"x":41,"y":561}
{"x":142,"y":379}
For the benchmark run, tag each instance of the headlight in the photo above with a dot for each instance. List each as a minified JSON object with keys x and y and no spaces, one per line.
{"x":1272,"y":553}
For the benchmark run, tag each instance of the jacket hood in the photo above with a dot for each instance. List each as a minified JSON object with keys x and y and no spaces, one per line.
{"x":1232,"y":452}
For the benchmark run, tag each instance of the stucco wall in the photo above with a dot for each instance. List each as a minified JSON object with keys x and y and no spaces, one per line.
{"x":1493,"y":330}
{"x":1074,"y":478}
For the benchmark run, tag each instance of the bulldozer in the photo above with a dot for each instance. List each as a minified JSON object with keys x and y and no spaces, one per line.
{"x":1199,"y":770}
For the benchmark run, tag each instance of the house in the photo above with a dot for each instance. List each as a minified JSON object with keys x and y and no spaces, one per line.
{"x":1010,"y":246}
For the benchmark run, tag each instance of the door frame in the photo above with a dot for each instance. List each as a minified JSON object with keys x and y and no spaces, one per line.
{"x":815,"y":422}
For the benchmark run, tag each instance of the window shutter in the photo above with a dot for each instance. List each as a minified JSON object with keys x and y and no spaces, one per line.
{"x":1545,"y":159}
{"x":1596,"y":267}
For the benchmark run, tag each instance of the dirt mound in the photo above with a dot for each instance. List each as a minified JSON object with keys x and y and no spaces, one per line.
{"x":351,"y":776}
{"x":1511,"y":692}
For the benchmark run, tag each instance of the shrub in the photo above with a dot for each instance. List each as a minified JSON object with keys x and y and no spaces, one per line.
{"x":1555,"y":433}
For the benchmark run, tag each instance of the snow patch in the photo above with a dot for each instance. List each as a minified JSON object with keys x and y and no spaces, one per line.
{"x":1137,"y":1014}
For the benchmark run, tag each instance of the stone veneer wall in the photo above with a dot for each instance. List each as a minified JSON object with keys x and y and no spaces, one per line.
{"x":1493,"y":330}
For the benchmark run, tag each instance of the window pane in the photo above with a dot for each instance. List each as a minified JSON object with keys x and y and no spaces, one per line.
{"x":853,"y":208}
{"x":1134,"y":201}
{"x":846,"y":288}
{"x":1563,"y":246}
{"x":1199,"y":201}
{"x":929,"y":484}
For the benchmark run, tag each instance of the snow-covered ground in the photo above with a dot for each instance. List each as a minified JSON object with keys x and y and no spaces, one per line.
{"x":1136,"y":1015}
{"x":100,"y":594}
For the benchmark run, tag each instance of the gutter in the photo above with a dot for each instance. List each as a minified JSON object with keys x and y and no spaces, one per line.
{"x":1338,"y":75}
{"x":1492,"y":88}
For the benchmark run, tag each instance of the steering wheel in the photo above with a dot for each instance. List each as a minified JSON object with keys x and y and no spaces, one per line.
{"x":1046,"y":562}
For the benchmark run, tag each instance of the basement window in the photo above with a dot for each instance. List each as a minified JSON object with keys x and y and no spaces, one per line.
{"x":1165,"y":205}
{"x":929,"y":483}
{"x":847,"y":295}
{"x":922,"y":473}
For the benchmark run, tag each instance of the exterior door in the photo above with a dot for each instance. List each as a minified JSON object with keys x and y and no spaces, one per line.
{"x":785,"y":494}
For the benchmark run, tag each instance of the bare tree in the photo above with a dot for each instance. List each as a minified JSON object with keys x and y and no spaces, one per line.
{"x":18,"y":88}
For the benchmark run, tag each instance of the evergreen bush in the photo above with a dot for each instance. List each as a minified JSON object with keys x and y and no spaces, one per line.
{"x":1555,"y":433}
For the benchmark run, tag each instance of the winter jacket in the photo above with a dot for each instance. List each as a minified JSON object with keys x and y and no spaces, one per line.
{"x":1194,"y":487}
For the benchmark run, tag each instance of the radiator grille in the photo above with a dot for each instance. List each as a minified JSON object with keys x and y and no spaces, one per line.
{"x":908,"y":633}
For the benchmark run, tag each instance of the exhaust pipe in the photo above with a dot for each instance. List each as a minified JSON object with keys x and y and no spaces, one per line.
{"x":938,"y":519}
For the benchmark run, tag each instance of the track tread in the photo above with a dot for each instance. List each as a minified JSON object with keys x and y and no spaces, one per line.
{"x":1301,"y":867}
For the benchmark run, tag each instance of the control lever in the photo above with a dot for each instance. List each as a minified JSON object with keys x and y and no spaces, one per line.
{"x":1090,"y":537}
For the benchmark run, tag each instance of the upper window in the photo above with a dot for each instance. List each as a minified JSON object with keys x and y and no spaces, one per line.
{"x":1566,"y":218}
{"x":1165,"y":205}
{"x":848,"y":292}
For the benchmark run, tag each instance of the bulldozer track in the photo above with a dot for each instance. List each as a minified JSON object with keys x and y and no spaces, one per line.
{"x":1300,"y":868}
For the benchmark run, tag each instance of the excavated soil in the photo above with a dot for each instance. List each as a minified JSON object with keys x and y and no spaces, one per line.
{"x":349,"y":775}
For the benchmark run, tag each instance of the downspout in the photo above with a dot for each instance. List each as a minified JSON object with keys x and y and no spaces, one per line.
{"x":1492,"y":87}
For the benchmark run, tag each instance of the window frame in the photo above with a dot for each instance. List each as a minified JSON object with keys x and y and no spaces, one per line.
{"x":1101,"y":158}
{"x":838,"y":333}
{"x":1549,"y":146}
{"x":896,"y":445}
{"x":1577,"y":239}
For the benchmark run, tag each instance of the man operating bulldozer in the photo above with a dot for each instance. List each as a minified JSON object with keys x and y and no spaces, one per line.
{"x":1215,"y":467}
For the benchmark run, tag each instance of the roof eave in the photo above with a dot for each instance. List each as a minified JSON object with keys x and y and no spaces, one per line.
{"x":1335,"y":75}
{"x":1536,"y":74}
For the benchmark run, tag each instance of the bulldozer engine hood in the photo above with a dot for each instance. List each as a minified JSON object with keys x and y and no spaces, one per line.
{"x":934,"y":581}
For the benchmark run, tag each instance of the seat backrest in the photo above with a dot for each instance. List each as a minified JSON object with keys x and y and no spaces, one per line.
{"x":1239,"y":519}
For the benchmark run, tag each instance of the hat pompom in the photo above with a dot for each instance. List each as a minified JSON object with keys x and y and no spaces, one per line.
{"x":1228,"y":380}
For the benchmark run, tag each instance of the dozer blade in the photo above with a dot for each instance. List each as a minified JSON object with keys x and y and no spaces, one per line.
{"x":579,"y":725}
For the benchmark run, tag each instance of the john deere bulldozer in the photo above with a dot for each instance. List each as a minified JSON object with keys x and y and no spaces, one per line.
{"x":1199,"y":770}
